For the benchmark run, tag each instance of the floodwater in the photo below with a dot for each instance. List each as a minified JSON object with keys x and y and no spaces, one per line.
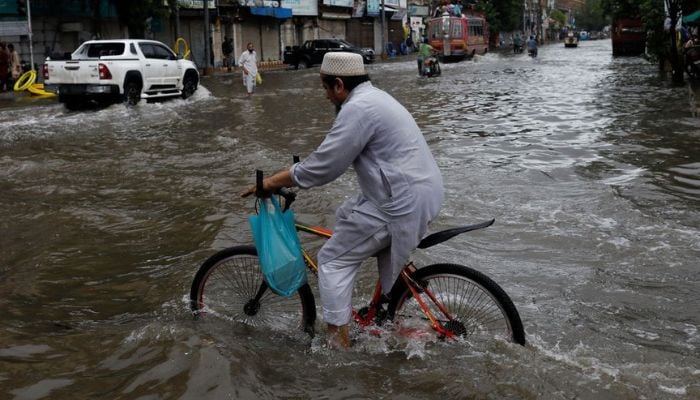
{"x":590,"y":165}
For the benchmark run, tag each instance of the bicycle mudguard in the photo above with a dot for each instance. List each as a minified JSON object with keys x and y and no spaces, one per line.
{"x":439,"y":237}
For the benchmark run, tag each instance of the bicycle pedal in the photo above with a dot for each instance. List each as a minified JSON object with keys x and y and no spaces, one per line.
{"x":381,"y":316}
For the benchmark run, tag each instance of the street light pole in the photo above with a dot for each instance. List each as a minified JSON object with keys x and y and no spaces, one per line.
{"x":207,"y":48}
{"x":29,"y":29}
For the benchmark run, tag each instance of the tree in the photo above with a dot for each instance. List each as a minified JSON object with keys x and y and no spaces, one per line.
{"x":502,"y":15}
{"x":592,"y":16}
{"x":558,"y":16}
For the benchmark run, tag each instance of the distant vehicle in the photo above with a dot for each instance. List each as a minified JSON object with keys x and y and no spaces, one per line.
{"x":312,"y":52}
{"x":571,"y":40}
{"x":106,"y":71}
{"x":583,"y":35}
{"x":455,"y":38}
{"x":628,"y":37}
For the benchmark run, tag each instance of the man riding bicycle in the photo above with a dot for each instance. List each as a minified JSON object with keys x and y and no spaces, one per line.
{"x":400,"y":186}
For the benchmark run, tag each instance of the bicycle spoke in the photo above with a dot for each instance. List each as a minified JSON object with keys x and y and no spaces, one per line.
{"x":471,"y":301}
{"x":227,"y":285}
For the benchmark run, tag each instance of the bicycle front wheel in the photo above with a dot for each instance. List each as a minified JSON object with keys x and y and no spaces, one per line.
{"x":230,"y":285}
{"x":466,"y":302}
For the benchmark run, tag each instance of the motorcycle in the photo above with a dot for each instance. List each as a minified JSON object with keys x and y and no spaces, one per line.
{"x":692,"y":62}
{"x":532,"y":52}
{"x":517,"y":48}
{"x":431,"y":67}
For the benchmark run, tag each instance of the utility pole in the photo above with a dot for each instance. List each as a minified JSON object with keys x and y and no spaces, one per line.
{"x":29,"y":32}
{"x":177,"y":19}
{"x":383,"y":24}
{"x":207,"y":49}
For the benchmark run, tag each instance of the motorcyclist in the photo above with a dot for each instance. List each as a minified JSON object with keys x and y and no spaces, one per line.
{"x":517,"y":44}
{"x":532,"y":46}
{"x":424,"y":52}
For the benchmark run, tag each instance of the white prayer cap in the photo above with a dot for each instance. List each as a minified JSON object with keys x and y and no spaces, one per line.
{"x":343,"y":64}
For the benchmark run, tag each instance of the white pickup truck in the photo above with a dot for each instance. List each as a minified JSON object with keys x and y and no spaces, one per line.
{"x":106,"y":71}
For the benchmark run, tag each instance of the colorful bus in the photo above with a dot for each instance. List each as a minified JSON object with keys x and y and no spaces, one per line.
{"x":456,"y":37}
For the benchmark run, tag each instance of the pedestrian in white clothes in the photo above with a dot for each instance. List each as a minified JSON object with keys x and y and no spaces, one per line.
{"x":248,"y":61}
{"x":400,"y":186}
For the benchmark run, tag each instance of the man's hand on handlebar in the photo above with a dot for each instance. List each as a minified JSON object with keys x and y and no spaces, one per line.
{"x":271,"y":184}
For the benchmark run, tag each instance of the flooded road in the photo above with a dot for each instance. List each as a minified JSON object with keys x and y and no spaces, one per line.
{"x":590,"y":165}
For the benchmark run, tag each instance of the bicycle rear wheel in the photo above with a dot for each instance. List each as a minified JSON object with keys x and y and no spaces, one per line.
{"x":480,"y":310}
{"x":230,"y":285}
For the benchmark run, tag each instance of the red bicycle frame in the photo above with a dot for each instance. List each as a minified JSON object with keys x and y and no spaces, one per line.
{"x":368,"y":318}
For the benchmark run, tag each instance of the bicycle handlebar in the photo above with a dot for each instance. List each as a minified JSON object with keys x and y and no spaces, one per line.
{"x":288,"y":195}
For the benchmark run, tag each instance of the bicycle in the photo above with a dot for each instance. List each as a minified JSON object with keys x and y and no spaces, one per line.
{"x":455,"y":301}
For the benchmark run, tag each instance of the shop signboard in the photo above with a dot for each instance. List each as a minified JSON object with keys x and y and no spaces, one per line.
{"x":301,"y":7}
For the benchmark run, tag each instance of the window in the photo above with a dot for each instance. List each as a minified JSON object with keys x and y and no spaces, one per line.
{"x":456,"y":28}
{"x":156,"y":51}
{"x":132,"y":49}
{"x":163,"y":53}
{"x":105,"y":49}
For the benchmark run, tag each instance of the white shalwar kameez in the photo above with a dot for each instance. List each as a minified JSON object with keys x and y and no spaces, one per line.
{"x":249,"y":60}
{"x":401,"y":192}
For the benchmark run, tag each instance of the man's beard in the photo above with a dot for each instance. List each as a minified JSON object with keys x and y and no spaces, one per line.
{"x":337,"y":109}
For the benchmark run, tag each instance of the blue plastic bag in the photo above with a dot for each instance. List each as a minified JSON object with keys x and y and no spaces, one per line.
{"x":279,"y":250}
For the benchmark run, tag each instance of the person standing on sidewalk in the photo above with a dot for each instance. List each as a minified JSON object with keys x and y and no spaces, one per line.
{"x":249,"y":62}
{"x":15,"y":66}
{"x":4,"y":68}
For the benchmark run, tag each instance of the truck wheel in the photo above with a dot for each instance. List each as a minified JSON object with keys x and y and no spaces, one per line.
{"x":189,"y":86}
{"x":303,"y":64}
{"x":132,"y":93}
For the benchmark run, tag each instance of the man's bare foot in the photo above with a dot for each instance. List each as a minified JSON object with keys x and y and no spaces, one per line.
{"x":339,"y":336}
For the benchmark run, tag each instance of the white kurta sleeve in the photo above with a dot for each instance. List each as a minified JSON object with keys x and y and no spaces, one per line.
{"x":342,"y":145}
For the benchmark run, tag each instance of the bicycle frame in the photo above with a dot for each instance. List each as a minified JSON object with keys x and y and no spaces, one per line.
{"x":368,"y":318}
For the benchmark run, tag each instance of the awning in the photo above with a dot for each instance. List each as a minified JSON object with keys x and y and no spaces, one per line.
{"x":693,"y":18}
{"x":275,"y":12}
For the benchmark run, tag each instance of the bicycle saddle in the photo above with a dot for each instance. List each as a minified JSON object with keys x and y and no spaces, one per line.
{"x":439,"y":237}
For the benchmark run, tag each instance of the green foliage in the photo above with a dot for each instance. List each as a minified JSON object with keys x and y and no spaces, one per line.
{"x":558,"y":16}
{"x":502,"y":15}
{"x":592,"y":17}
{"x":622,"y":8}
{"x":652,"y":12}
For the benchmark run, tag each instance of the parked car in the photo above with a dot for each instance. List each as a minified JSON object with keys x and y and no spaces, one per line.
{"x":105,"y":71}
{"x":312,"y":52}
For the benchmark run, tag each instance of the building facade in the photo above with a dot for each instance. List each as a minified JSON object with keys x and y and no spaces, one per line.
{"x":271,"y":25}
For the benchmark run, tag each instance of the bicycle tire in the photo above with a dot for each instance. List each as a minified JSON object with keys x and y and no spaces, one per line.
{"x":226,"y":284}
{"x":480,"y":309}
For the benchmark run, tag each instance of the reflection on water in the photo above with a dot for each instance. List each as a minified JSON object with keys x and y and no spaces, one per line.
{"x":588,"y":163}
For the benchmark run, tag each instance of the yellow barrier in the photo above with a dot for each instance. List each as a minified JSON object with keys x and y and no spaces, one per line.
{"x":25,"y":81}
{"x":186,"y":49}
